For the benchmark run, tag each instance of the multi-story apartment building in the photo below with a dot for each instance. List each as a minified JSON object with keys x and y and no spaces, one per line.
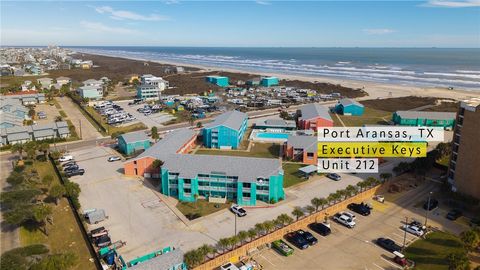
{"x":464,"y":167}
{"x":226,"y":131}
{"x":313,"y":116}
{"x":188,"y":177}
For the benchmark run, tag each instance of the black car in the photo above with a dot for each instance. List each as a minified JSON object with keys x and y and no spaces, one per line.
{"x":308,"y":236}
{"x":68,"y":164}
{"x":320,"y":228}
{"x":297,"y":240}
{"x":73,"y":173}
{"x":454,"y":214}
{"x":360,"y":208}
{"x":71,"y":168}
{"x":429,"y":207}
{"x":388,"y":244}
{"x":103,"y":241}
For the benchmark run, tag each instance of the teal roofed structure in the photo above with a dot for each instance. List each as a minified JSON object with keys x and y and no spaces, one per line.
{"x":269,"y":81}
{"x":348,"y":106}
{"x":132,"y":142}
{"x":424,"y":118}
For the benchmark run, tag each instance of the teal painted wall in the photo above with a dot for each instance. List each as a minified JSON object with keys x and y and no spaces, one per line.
{"x":222,"y":136}
{"x":130,"y":148}
{"x":269,"y":81}
{"x":351,"y":109}
{"x":422,"y":122}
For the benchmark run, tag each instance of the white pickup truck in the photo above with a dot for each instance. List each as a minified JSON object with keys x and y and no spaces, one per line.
{"x":344,"y":220}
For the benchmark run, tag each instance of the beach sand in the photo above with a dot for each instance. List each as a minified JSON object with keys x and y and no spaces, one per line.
{"x":374,"y":89}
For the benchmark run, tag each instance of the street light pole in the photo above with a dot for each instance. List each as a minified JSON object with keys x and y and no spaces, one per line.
{"x":235,"y":224}
{"x":428,"y":208}
{"x":405,"y":234}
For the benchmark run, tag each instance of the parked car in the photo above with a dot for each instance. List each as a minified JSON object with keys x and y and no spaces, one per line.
{"x":73,"y":173}
{"x":311,"y":240}
{"x":418,"y":224}
{"x":68,"y":164}
{"x":454,"y":214}
{"x":65,"y":158}
{"x":388,"y":244}
{"x":413,"y":230}
{"x":297,"y":239}
{"x":402,"y":261}
{"x":360,"y":208}
{"x":114,"y":158}
{"x":320,"y":228}
{"x":379,"y":198}
{"x":103,"y":241}
{"x":282,"y":247}
{"x":429,"y":206}
{"x":348,"y":214}
{"x":228,"y":266}
{"x":71,"y":168}
{"x":344,"y":220}
{"x":238,"y":210}
{"x":334,"y":176}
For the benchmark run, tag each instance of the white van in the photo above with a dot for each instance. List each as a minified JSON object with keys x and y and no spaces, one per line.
{"x":65,"y":158}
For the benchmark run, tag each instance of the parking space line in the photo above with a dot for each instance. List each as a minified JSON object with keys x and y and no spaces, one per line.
{"x":378,"y":266}
{"x":391,"y":263}
{"x":278,"y":256}
{"x":261,"y":255}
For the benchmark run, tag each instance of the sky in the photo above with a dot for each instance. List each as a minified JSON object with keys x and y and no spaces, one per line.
{"x":434,"y":23}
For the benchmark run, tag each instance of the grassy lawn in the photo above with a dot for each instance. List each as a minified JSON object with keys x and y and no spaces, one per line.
{"x":260,"y":150}
{"x":290,"y":174}
{"x":64,"y":234}
{"x":369,"y":117}
{"x":200,"y":208}
{"x":114,"y":129}
{"x":431,"y":253}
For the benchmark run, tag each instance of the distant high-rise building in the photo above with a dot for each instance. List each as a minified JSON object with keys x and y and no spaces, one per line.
{"x":464,"y":167}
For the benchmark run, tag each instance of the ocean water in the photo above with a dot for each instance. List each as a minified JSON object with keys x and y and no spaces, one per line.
{"x":458,"y":68}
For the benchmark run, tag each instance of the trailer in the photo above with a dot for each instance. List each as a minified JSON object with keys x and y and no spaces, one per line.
{"x":93,"y":217}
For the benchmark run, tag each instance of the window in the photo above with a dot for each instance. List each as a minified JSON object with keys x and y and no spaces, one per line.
{"x":247,"y":185}
{"x":187,"y":181}
{"x":310,"y":155}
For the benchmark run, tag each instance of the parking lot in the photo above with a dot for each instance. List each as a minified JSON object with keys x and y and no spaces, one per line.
{"x":355,"y":248}
{"x":154,"y":119}
{"x":50,"y":111}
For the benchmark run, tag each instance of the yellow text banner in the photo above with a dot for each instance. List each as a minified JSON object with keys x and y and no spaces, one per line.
{"x":372,"y":149}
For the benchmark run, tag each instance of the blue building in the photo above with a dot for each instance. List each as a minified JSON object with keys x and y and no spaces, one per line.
{"x":269,"y":81}
{"x":226,"y":131}
{"x":347,"y":106}
{"x":218,"y":80}
{"x":129,"y":143}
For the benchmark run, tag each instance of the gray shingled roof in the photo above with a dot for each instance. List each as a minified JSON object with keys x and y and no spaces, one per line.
{"x":170,"y":144}
{"x":427,"y":115}
{"x":134,"y":137}
{"x":348,"y":101}
{"x":63,"y":130}
{"x":164,"y":261}
{"x":43,"y":133}
{"x":189,"y":166}
{"x":231,"y":119}
{"x":308,"y":143}
{"x":18,"y":136}
{"x":314,"y":110}
{"x":279,"y":123}
{"x":246,"y":168}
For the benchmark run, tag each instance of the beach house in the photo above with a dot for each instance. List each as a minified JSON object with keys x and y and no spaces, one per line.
{"x":218,"y":80}
{"x":226,"y":131}
{"x":189,"y":177}
{"x":312,"y":116}
{"x":269,"y":81}
{"x":302,"y":149}
{"x":129,"y":143}
{"x":424,"y":118}
{"x":91,"y":91}
{"x":348,"y":106}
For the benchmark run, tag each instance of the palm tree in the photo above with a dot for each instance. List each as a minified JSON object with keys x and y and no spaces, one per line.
{"x":44,"y":147}
{"x":316,"y":203}
{"x":205,"y":250}
{"x":154,"y":132}
{"x":385,"y":176}
{"x":458,"y":261}
{"x":260,"y":228}
{"x":340,"y":194}
{"x":284,"y":219}
{"x":252,"y":233}
{"x":331,"y":198}
{"x":297,"y":212}
{"x":242,"y":236}
{"x":233,"y":241}
{"x":192,"y":258}
{"x":18,"y":148}
{"x":56,"y":192}
{"x":269,"y":225}
{"x":40,"y":214}
{"x":351,"y":190}
{"x":310,"y":209}
{"x":360,"y":186}
{"x":223,"y":243}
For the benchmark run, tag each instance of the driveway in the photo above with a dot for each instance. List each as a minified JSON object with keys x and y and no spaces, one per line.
{"x":78,"y":119}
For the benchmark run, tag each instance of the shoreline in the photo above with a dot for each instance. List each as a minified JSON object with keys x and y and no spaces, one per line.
{"x":375,"y":90}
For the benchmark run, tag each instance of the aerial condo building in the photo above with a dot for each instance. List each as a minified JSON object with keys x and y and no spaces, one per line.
{"x":226,"y":131}
{"x":312,"y":116}
{"x":217,"y":80}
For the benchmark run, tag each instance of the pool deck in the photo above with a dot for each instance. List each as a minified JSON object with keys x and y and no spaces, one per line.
{"x":254,"y":138}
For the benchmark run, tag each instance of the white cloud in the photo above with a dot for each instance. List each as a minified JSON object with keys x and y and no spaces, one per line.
{"x":265,"y":3}
{"x":100,"y":27}
{"x":128,"y":15}
{"x":378,"y":31}
{"x":452,"y":3}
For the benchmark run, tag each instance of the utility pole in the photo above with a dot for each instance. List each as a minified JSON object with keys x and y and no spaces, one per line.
{"x":80,"y":127}
{"x":428,"y":208}
{"x":405,"y":234}
{"x":235,"y":223}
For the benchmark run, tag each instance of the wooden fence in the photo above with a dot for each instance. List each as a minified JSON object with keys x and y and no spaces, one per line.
{"x":302,"y":223}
